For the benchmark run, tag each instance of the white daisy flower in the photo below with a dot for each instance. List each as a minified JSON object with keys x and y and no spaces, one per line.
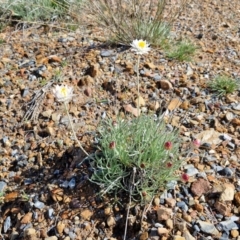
{"x":63,"y":93}
{"x":140,"y":46}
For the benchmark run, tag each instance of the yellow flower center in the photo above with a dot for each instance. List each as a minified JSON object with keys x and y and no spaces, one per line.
{"x":141,"y":44}
{"x":63,"y":91}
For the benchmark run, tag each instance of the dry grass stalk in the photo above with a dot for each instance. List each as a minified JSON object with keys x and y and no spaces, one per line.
{"x":126,"y":20}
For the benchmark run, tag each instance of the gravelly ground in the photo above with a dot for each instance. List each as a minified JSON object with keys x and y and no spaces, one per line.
{"x":46,"y":194}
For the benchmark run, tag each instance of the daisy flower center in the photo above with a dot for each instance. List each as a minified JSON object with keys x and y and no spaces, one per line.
{"x":142,"y":44}
{"x":63,"y":91}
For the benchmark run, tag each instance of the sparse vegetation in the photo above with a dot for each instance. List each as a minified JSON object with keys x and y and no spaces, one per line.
{"x":31,"y":12}
{"x":127,"y":20}
{"x":223,"y":85}
{"x":182,"y":51}
{"x":141,"y":150}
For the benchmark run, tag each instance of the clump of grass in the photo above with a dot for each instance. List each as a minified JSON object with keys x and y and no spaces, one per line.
{"x":138,"y":156}
{"x":223,"y":85}
{"x":182,"y":51}
{"x":38,"y":11}
{"x":126,"y":20}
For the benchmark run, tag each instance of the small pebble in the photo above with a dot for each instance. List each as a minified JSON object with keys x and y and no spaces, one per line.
{"x":39,"y":205}
{"x":107,"y":53}
{"x":2,"y":186}
{"x":183,"y":206}
{"x":207,"y":227}
{"x":227,"y":172}
{"x":111,"y":221}
{"x":7,"y":224}
{"x":72,"y":235}
{"x":234,"y":233}
{"x":169,"y":223}
{"x":162,"y":231}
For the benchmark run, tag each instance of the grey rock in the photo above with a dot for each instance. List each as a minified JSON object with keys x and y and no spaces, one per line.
{"x":192,"y":171}
{"x":172,"y":184}
{"x":5,"y":140}
{"x":207,"y":227}
{"x":62,"y":40}
{"x":28,"y":181}
{"x":25,"y":92}
{"x":70,"y":39}
{"x":65,"y":120}
{"x":219,"y":216}
{"x":187,"y":166}
{"x":202,"y":218}
{"x":210,"y":158}
{"x":157,"y":77}
{"x":231,"y":145}
{"x":72,"y":183}
{"x":227,"y":172}
{"x":226,"y":137}
{"x":154,"y":232}
{"x":2,"y":186}
{"x":228,"y":225}
{"x":225,"y":236}
{"x":14,"y":152}
{"x":202,"y":175}
{"x":32,"y":77}
{"x":107,"y":53}
{"x":118,"y":70}
{"x":11,"y":174}
{"x":42,"y":68}
{"x":66,"y":230}
{"x":217,"y":168}
{"x":50,"y":213}
{"x":196,"y":228}
{"x":64,"y":184}
{"x":72,"y":235}
{"x":158,"y":225}
{"x":164,"y":195}
{"x":35,"y":215}
{"x":236,"y":107}
{"x":26,"y":64}
{"x":111,"y":69}
{"x":22,"y":163}
{"x":183,"y":206}
{"x":39,"y":205}
{"x":7,"y":224}
{"x":233,"y":218}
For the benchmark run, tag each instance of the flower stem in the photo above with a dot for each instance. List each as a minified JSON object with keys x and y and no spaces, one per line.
{"x":74,"y":134}
{"x":138,"y":101}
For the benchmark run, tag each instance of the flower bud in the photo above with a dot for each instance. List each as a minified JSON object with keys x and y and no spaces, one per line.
{"x":168,"y":145}
{"x":144,"y":194}
{"x":196,"y":143}
{"x":169,"y":164}
{"x":114,"y":123}
{"x":185,"y":177}
{"x":112,"y":145}
{"x":142,"y":165}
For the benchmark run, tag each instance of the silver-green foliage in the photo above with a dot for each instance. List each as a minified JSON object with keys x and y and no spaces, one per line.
{"x":137,"y":145}
{"x":223,"y":85}
{"x":36,"y":10}
{"x":182,"y":51}
{"x":127,"y":20}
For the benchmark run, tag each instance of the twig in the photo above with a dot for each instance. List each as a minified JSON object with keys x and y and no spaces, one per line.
{"x":138,"y":102}
{"x":130,"y":202}
{"x":33,"y":111}
{"x":73,"y":131}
